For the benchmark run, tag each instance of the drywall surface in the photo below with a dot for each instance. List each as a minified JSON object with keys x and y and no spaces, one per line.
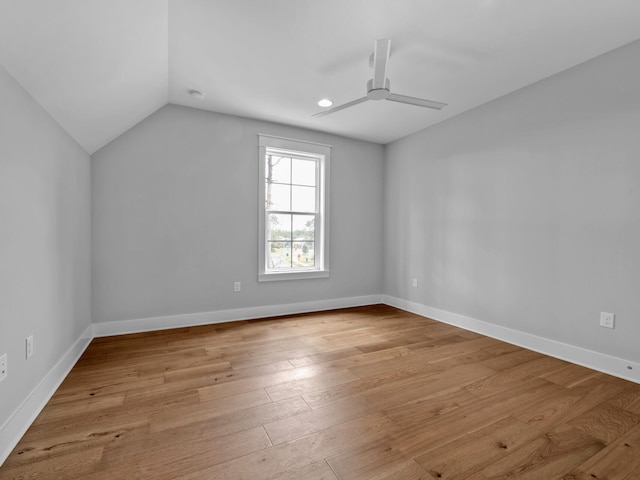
{"x":175,"y":218}
{"x":525,"y":212}
{"x":44,"y":242}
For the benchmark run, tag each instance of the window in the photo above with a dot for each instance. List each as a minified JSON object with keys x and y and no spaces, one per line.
{"x":293,"y":221}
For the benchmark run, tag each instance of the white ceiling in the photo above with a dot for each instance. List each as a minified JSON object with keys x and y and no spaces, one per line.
{"x":100,"y":66}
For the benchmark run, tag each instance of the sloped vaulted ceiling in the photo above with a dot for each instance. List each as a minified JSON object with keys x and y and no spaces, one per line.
{"x":100,"y":66}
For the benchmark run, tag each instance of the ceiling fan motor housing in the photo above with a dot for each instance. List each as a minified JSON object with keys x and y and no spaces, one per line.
{"x":378,"y":93}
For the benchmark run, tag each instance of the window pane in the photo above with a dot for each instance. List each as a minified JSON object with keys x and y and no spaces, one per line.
{"x":279,"y":243}
{"x":278,"y":255}
{"x":278,"y":169}
{"x":303,"y":172}
{"x":279,"y":228}
{"x":303,"y":199}
{"x":303,"y":255}
{"x":278,"y":196}
{"x":303,"y":228}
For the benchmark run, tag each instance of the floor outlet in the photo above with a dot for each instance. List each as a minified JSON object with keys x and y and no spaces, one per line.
{"x":607,"y":320}
{"x":29,"y":346}
{"x":3,"y":367}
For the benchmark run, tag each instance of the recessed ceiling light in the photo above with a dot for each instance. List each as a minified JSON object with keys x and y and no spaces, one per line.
{"x":325,"y":102}
{"x":196,"y":94}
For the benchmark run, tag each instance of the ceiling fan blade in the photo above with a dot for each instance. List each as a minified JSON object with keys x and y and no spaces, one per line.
{"x":420,"y":102}
{"x":340,"y":107}
{"x":381,"y":52}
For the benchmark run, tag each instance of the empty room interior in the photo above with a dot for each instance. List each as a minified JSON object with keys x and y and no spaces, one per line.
{"x":342,"y":239}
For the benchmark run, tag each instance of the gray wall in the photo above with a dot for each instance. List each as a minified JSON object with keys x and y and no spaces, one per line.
{"x":525,"y":212}
{"x":175,"y":218}
{"x":44,"y":241}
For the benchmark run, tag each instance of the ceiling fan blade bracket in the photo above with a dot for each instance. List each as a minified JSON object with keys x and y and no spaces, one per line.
{"x":378,"y":93}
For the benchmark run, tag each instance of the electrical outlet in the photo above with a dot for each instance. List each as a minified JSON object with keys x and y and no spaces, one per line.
{"x":237,"y":286}
{"x":4,"y":371}
{"x":415,"y":283}
{"x":29,"y":346}
{"x":607,"y":320}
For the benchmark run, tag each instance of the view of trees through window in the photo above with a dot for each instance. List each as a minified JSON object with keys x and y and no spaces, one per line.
{"x":291,"y":208}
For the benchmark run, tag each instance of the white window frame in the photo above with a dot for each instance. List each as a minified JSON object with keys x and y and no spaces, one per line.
{"x":322,"y":153}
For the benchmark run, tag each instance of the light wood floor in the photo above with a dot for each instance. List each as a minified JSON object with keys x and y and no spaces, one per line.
{"x":362,"y":393}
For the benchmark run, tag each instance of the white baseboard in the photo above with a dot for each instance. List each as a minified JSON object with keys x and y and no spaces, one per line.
{"x":22,"y":418}
{"x":120,"y":327}
{"x":615,"y":366}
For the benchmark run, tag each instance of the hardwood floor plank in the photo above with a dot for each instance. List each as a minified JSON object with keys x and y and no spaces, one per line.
{"x":145,"y":393}
{"x":324,"y":357}
{"x":422,"y":425}
{"x":369,"y":460}
{"x":463,"y":358}
{"x":38,"y":446}
{"x":401,"y":470}
{"x":195,"y":370}
{"x":457,"y":459}
{"x":567,"y":404}
{"x":248,"y":384}
{"x":95,"y":389}
{"x":364,"y":393}
{"x":295,"y":388}
{"x":158,"y":456}
{"x":313,"y":421}
{"x":619,"y":461}
{"x":606,"y":422}
{"x":206,"y":410}
{"x":628,"y":400}
{"x":438,"y":341}
{"x":410,"y":365}
{"x":397,"y":339}
{"x":510,"y":360}
{"x":571,"y":375}
{"x":138,"y":357}
{"x":247,"y":418}
{"x":433,"y":353}
{"x":316,"y":471}
{"x":551,"y":456}
{"x":301,"y":452}
{"x":505,"y":379}
{"x":373,"y":385}
{"x":72,"y":465}
{"x":414,"y":402}
{"x":94,"y":403}
{"x":368,"y":358}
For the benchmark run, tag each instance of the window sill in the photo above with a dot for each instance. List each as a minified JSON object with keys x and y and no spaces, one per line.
{"x":306,"y":275}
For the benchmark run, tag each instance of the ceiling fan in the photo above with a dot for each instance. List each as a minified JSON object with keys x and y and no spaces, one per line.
{"x":378,"y":88}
